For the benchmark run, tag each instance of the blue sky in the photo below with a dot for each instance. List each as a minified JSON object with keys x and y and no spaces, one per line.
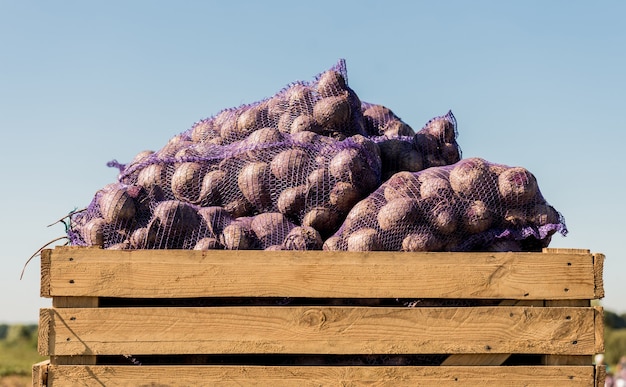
{"x":535,"y":84}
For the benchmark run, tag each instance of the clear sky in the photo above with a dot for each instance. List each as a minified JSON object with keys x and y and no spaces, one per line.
{"x":538,"y":84}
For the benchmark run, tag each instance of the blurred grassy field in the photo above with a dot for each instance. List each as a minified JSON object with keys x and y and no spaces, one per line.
{"x":18,"y":353}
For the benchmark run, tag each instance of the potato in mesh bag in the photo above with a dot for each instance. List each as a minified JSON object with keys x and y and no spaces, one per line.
{"x":487,"y":207}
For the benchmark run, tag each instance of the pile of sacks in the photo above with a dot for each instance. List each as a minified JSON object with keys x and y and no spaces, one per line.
{"x":313,"y":167}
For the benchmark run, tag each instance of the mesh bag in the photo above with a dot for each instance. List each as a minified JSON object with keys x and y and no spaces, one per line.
{"x":470,"y":205}
{"x":379,"y":120}
{"x":276,"y":181}
{"x":325,"y":106}
{"x":432,"y":146}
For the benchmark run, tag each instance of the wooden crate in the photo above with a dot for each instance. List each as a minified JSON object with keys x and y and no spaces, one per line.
{"x":171,"y":317}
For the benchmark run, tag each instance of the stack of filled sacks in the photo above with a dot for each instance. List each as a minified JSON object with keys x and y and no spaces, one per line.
{"x":314,"y":167}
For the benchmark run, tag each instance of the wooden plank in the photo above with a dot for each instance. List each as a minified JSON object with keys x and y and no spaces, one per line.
{"x":315,"y":376}
{"x":75,"y":302}
{"x":598,"y":263}
{"x":45,"y":334}
{"x":185,"y":273}
{"x":560,"y":250}
{"x":487,"y":359}
{"x":600,"y":378}
{"x":40,"y":374}
{"x":44,"y":286}
{"x":599,"y":328}
{"x":566,"y":359}
{"x":320,"y":330}
{"x":74,"y":360}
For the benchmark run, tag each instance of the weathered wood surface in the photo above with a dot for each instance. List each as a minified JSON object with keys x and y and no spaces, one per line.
{"x":92,"y":272}
{"x":318,"y":330}
{"x":316,"y":376}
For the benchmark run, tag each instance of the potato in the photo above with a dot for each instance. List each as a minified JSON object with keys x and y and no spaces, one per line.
{"x":443,"y":128}
{"x":215,"y":219}
{"x":263,"y":136}
{"x":422,"y":241}
{"x":93,"y":232}
{"x":325,"y":220}
{"x":203,"y":131}
{"x":477,"y":217}
{"x":300,"y":99}
{"x":174,"y":145}
{"x":347,"y":165}
{"x":307,"y":137}
{"x":450,"y":153}
{"x":250,"y":119}
{"x":208,"y":243}
{"x":402,"y":185}
{"x":153,"y":175}
{"x":303,"y":238}
{"x":271,"y":228}
{"x":375,"y":116}
{"x":395,"y":128}
{"x":398,"y":213}
{"x":276,"y":106}
{"x":365,"y":239}
{"x":360,"y":214}
{"x":239,"y":236}
{"x":441,"y":214}
{"x":285,"y":121}
{"x":434,"y":186}
{"x":543,"y":214}
{"x":471,"y":178}
{"x":399,"y":155}
{"x":332,"y":112}
{"x":291,"y":201}
{"x":228,"y":128}
{"x":175,"y":218}
{"x":212,"y":188}
{"x":305,"y":123}
{"x":115,"y":204}
{"x":186,"y":182}
{"x":140,"y":157}
{"x":426,"y":143}
{"x":142,"y":238}
{"x":330,"y":83}
{"x":317,"y":182}
{"x":290,"y":165}
{"x":124,"y":245}
{"x":516,"y":217}
{"x":517,"y":186}
{"x":275,"y":248}
{"x":255,"y":185}
{"x":334,"y":243}
{"x":344,"y":196}
{"x":370,"y":147}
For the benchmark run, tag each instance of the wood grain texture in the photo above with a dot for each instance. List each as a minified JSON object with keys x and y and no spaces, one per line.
{"x":321,"y":330}
{"x":578,"y":376}
{"x":598,"y":262}
{"x":599,"y":328}
{"x":45,"y":334}
{"x":183,"y":273}
{"x":44,"y":286}
{"x":600,"y":376}
{"x":40,"y":374}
